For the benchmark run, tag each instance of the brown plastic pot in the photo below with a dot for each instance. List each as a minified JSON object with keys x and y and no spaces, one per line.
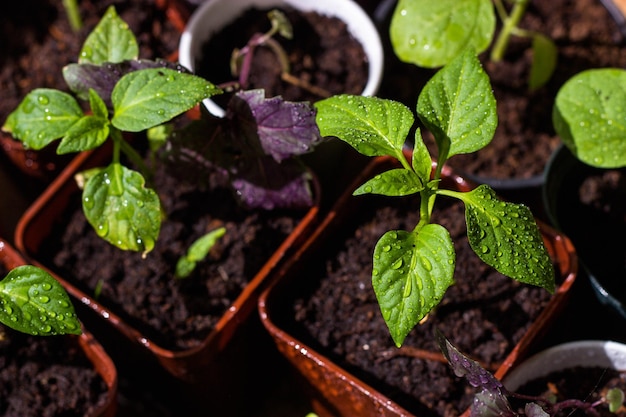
{"x":187,"y":365}
{"x":90,"y":347}
{"x":336,"y":392}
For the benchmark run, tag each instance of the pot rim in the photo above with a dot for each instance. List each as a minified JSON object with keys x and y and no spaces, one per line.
{"x":359,"y":24}
{"x":604,"y":353}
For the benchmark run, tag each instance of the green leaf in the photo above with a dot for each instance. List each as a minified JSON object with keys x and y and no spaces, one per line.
{"x":505,"y":236}
{"x":42,"y":117}
{"x":431,"y":33}
{"x":33,"y":302}
{"x":615,"y":398}
{"x":395,"y":182}
{"x":98,"y":106}
{"x":373,"y":126}
{"x":147,"y":98}
{"x":457,"y":105}
{"x":588,"y":115}
{"x":110,"y":41}
{"x":121,"y":210}
{"x":197,"y":252}
{"x":90,"y":131}
{"x":411,"y":273}
{"x":422,"y":162}
{"x":544,"y":61}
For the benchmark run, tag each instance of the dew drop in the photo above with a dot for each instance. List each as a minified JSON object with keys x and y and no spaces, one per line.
{"x":426,"y":264}
{"x":43,"y":99}
{"x":86,"y":52}
{"x":44,"y":299}
{"x":88,"y":203}
{"x":103,"y":229}
{"x":397,"y":264}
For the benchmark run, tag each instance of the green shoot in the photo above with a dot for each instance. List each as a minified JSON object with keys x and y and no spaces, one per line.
{"x":197,"y":252}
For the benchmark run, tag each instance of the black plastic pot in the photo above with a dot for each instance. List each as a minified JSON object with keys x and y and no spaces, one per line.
{"x":597,"y":237}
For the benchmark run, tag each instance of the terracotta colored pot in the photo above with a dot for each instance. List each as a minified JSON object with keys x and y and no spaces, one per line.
{"x":91,"y":348}
{"x":43,"y":164}
{"x":187,"y":365}
{"x":335,"y":391}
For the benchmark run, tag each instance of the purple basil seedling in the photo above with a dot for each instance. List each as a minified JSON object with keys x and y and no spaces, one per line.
{"x":492,"y":398}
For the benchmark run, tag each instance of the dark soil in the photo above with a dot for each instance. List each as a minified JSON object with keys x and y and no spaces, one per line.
{"x":173,"y":313}
{"x":586,"y":37}
{"x":46,"y":376}
{"x":322,"y":53}
{"x":484,"y":313}
{"x":588,"y":384}
{"x":36,"y":41}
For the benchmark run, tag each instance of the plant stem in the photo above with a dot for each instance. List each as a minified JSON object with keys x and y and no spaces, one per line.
{"x":120,"y":144}
{"x":509,"y":27}
{"x":73,"y":14}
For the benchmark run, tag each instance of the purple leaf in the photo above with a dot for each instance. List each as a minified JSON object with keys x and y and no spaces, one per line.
{"x":284,"y":128}
{"x":491,"y":399}
{"x":264,"y":183}
{"x":102,"y":78}
{"x":535,"y":410}
{"x":214,"y":146}
{"x":488,"y":404}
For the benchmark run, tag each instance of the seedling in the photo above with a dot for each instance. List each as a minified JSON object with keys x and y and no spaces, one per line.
{"x":197,"y":252}
{"x":430,"y":34}
{"x":412,"y":269}
{"x":33,"y":302}
{"x":588,"y":115}
{"x":492,"y":397}
{"x":241,"y":60}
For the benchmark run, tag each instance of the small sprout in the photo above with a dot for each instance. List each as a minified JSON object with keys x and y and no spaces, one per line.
{"x":73,"y":14}
{"x":241,"y":59}
{"x":197,"y":252}
{"x":98,"y":290}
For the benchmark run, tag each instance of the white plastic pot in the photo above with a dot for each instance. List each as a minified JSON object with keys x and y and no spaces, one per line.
{"x":213,"y":15}
{"x":589,"y":353}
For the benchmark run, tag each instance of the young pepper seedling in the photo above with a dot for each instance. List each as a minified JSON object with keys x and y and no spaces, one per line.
{"x":413,"y":269}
